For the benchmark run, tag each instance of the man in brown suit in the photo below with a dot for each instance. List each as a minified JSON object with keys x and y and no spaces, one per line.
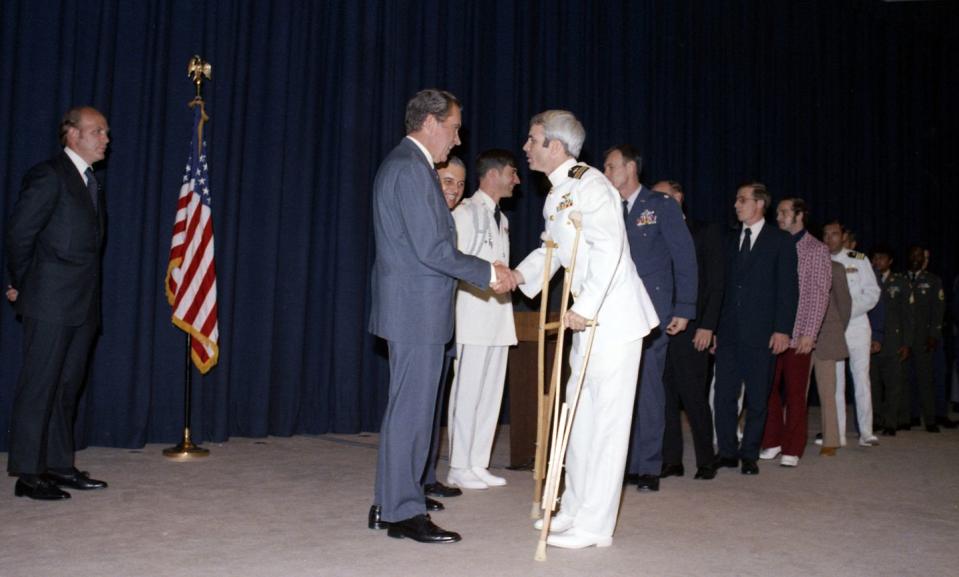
{"x":830,"y":348}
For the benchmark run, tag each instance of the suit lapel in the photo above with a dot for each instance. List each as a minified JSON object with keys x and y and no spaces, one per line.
{"x":78,"y":189}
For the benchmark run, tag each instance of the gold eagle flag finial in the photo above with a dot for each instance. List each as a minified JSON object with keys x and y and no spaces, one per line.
{"x":197,"y":70}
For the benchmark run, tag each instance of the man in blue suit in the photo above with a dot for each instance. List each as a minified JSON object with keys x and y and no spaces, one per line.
{"x":665,"y":258}
{"x":413,"y":282}
{"x":755,"y":324}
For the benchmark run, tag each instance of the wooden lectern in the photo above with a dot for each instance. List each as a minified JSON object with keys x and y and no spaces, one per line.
{"x":521,"y":379}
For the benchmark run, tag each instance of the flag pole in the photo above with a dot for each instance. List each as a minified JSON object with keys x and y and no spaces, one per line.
{"x":186,"y":450}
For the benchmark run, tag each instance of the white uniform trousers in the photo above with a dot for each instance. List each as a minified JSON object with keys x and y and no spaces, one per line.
{"x":858,"y":340}
{"x":599,"y":441}
{"x":479,"y":373}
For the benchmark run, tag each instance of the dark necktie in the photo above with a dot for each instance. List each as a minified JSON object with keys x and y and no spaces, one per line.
{"x":744,"y":248}
{"x":625,"y":210}
{"x":92,"y":186}
{"x":496,"y":215}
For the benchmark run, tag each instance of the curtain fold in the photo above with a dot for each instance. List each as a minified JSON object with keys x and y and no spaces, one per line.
{"x":850,"y":105}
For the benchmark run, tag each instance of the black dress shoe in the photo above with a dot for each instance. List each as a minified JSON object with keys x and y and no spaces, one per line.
{"x":904,"y":427}
{"x":438,"y":489}
{"x":79,"y":480}
{"x":433,"y":505}
{"x":672,"y":470}
{"x":630,"y":478}
{"x":888,"y":432}
{"x":421,"y":528}
{"x":38,"y":488}
{"x":373,"y":520}
{"x":749,"y":467}
{"x":914,"y":422}
{"x":946,"y":423}
{"x":648,"y":483}
{"x":708,"y":472}
{"x":728,"y":462}
{"x":932,"y":429}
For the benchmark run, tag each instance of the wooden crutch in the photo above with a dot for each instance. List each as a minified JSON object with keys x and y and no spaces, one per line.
{"x":562,"y":415}
{"x":543,"y":401}
{"x":549,"y":405}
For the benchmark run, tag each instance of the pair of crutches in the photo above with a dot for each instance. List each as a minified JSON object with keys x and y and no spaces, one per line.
{"x":552,"y":417}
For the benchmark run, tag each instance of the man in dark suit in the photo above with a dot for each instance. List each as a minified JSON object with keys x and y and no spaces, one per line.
{"x":889,"y":351}
{"x":54,"y":244}
{"x":413,"y":282}
{"x":687,"y":357}
{"x":927,"y":305}
{"x":755,"y":324}
{"x":665,"y":259}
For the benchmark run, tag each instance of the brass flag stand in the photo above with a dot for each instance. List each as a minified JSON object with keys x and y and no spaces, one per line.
{"x":186,"y":450}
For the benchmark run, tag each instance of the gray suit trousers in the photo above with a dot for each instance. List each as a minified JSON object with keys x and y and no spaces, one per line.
{"x":406,"y":432}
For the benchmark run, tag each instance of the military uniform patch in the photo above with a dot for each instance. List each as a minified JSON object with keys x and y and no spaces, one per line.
{"x":565,"y":203}
{"x":646,"y":217}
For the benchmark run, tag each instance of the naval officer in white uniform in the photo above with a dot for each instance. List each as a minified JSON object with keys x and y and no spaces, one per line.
{"x":605,"y":288}
{"x":484,"y":327}
{"x":864,"y":290}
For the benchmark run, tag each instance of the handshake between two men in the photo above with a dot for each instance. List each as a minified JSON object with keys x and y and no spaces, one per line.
{"x":507,"y":280}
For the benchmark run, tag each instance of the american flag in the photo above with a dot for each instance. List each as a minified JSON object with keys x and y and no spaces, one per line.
{"x":191,"y":274}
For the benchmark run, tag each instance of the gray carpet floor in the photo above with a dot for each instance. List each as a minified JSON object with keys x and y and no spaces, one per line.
{"x":291,"y":507}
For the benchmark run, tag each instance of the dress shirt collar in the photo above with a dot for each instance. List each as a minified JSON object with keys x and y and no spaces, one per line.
{"x":81,"y":164}
{"x":631,"y":199}
{"x":429,"y":157}
{"x":561,"y":174}
{"x":756,"y":227}
{"x":483,"y":198}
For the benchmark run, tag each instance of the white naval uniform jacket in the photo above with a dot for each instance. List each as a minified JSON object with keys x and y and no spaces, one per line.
{"x":482,"y":316}
{"x":605,"y":284}
{"x":863,"y":287}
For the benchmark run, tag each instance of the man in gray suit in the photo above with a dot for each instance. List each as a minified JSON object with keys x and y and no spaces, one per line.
{"x":413,"y":283}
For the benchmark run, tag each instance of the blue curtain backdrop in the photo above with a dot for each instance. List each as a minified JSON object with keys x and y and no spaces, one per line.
{"x":851,"y":105}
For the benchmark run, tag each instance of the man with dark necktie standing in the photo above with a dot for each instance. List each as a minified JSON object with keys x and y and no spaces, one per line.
{"x":687,"y":358}
{"x":665,"y":258}
{"x":54,"y":244}
{"x":755,"y":324}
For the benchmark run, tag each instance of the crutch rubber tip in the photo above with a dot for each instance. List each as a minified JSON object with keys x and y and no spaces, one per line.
{"x":540,"y":551}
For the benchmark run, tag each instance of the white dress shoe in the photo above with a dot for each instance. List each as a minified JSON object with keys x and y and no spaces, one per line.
{"x":464,"y":479}
{"x":789,"y":461}
{"x":557,"y":524}
{"x":770,"y":453}
{"x":868,"y":441}
{"x":485,"y":476}
{"x":578,"y":539}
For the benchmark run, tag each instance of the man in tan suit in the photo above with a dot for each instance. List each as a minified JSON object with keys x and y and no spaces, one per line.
{"x":830,"y":349}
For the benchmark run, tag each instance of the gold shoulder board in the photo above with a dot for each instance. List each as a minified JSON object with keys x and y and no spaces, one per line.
{"x":578,"y":171}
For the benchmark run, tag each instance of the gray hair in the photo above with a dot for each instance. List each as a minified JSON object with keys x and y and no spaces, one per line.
{"x":563,"y":126}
